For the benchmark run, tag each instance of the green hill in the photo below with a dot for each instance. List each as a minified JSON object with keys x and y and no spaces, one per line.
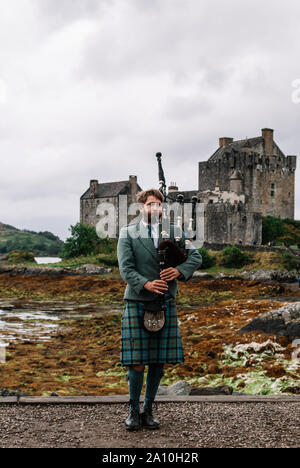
{"x":39,"y":243}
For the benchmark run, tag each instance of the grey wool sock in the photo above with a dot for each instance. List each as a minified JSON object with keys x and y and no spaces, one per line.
{"x":155,"y":373}
{"x":135,"y":382}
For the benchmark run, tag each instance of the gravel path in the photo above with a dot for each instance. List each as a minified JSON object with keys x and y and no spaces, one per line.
{"x":193,"y":425}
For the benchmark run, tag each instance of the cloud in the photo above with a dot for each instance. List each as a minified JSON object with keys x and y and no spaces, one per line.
{"x":93,"y":89}
{"x":58,"y":14}
{"x":3,"y":92}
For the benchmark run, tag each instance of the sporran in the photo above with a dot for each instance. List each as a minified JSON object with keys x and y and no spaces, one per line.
{"x":154,"y":318}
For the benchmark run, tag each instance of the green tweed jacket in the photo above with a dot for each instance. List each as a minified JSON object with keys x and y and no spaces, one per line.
{"x":139,"y":262}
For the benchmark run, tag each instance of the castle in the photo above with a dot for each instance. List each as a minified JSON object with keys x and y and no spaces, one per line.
{"x":240,"y":183}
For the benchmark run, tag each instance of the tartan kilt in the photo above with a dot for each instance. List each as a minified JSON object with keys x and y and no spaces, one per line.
{"x":138,"y":346}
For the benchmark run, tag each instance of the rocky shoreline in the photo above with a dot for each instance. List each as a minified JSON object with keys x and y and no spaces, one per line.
{"x":284,"y":321}
{"x":284,"y":276}
{"x":84,"y":270}
{"x":87,"y":309}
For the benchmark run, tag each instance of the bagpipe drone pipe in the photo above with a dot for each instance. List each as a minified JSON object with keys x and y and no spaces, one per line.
{"x":170,"y":253}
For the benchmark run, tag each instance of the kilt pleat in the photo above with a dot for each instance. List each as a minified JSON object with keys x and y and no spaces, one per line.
{"x":138,"y":346}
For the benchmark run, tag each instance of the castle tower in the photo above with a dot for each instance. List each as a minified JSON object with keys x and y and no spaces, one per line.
{"x":265,"y":175}
{"x":236,"y":182}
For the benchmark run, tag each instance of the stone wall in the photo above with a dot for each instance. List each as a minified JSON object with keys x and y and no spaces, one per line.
{"x":226,"y":223}
{"x":88,"y":208}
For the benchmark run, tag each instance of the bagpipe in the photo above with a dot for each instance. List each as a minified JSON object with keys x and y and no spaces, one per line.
{"x":170,"y":254}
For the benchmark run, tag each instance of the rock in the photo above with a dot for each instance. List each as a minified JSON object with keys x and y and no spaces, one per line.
{"x":162,"y":390}
{"x":271,"y":275}
{"x":229,"y":277}
{"x":34,"y":270}
{"x":53,"y":271}
{"x":284,"y":321}
{"x":202,"y":274}
{"x":221,"y":390}
{"x":260,"y":275}
{"x":295,"y":390}
{"x":53,"y":394}
{"x":178,"y":388}
{"x":268,"y":346}
{"x":92,"y":269}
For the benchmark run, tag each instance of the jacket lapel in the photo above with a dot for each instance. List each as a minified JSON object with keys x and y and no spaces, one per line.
{"x":146,"y":240}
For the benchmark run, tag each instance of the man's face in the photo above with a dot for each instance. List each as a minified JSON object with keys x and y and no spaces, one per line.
{"x":152,"y":210}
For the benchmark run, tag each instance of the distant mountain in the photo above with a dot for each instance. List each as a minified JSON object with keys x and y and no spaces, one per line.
{"x":40,"y":243}
{"x":7,"y":227}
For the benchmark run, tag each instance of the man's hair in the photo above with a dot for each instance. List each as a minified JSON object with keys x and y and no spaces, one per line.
{"x":143,"y":196}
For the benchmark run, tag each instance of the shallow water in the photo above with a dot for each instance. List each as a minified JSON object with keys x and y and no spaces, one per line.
{"x":37,"y":321}
{"x":41,"y":260}
{"x":20,"y":325}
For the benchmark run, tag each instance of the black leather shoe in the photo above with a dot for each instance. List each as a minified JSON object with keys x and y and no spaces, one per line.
{"x":148,"y":420}
{"x":132,"y":422}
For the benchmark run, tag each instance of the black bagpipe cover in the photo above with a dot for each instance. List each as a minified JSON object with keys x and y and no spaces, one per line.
{"x":173,"y":254}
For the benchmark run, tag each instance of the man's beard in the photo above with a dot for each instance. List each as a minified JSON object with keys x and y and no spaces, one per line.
{"x":155,"y":217}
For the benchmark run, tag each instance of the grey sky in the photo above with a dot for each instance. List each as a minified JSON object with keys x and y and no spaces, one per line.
{"x":92,"y":89}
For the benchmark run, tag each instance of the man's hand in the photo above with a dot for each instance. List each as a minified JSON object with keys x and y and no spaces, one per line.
{"x":156,"y":286}
{"x":169,"y":274}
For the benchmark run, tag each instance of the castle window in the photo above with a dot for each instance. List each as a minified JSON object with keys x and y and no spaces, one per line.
{"x":272,"y":193}
{"x":211,"y":201}
{"x":272,"y":186}
{"x":267,"y":162}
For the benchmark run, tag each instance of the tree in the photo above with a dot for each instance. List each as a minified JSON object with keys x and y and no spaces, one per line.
{"x":272,"y":229}
{"x":290,"y":236}
{"x":233,"y":257}
{"x":83,"y":241}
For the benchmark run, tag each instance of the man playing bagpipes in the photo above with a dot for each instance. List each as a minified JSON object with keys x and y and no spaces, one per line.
{"x":148,"y":286}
